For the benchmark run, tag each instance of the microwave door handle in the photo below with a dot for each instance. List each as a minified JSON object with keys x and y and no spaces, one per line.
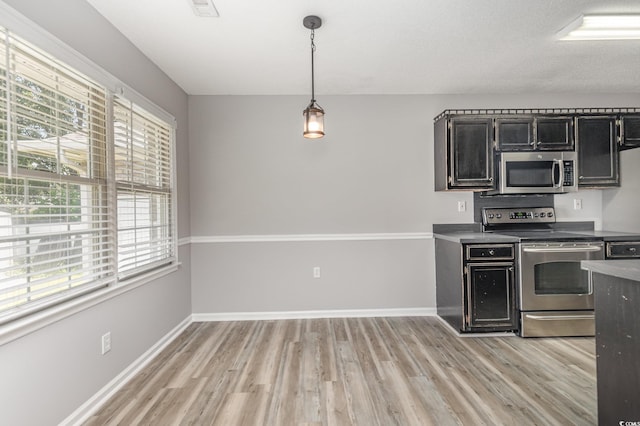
{"x":556,"y":176}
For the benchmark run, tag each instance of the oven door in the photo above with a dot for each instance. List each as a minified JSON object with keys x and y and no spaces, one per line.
{"x":551,"y":278}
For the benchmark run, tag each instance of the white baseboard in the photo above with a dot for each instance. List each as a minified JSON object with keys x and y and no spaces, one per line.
{"x":350,"y":313}
{"x":86,"y":410}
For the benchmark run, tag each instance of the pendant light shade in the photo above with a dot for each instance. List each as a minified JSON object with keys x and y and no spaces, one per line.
{"x":313,"y":121}
{"x":313,"y":114}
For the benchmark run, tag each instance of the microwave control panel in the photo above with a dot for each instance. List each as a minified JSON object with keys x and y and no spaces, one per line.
{"x":568,"y":173}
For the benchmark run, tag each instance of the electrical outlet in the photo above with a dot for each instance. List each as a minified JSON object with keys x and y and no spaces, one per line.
{"x":577,"y":204}
{"x":462,"y":206}
{"x":316,"y":272}
{"x":106,"y":342}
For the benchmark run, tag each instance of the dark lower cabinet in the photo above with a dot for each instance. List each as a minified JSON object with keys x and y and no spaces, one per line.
{"x":475,"y":286}
{"x":598,"y":156}
{"x":490,"y":301}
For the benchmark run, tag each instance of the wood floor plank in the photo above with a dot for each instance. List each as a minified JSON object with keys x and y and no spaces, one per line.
{"x":357,"y":371}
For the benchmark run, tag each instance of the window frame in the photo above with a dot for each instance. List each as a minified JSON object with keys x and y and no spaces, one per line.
{"x":15,"y":23}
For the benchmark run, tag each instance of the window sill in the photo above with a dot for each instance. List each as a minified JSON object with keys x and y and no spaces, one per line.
{"x":23,"y":326}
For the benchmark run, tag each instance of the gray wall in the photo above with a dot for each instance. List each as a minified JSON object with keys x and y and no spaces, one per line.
{"x":252,"y":173}
{"x":48,"y":374}
{"x":621,"y":205}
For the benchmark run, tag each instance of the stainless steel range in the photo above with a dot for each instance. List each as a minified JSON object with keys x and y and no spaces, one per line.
{"x":555,"y":295}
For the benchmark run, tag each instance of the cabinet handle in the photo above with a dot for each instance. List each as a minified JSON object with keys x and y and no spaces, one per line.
{"x":559,"y":317}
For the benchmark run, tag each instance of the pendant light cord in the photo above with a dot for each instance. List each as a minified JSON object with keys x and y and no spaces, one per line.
{"x":313,"y":49}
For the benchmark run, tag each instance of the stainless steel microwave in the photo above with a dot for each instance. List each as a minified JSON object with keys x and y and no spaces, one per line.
{"x":537,"y":172}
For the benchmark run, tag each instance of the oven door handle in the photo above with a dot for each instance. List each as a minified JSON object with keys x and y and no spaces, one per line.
{"x":558,"y":317}
{"x":560,"y":249}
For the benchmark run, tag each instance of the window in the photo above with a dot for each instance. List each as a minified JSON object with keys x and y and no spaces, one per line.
{"x":85,"y":200}
{"x":143,"y":182}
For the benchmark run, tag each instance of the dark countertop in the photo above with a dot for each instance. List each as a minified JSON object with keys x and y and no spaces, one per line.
{"x":475,"y":237}
{"x":626,"y":269}
{"x":611,"y":235}
{"x":469,"y":233}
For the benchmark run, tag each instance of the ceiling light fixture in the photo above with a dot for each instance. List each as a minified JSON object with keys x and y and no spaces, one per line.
{"x":602,"y":27}
{"x":204,"y":8}
{"x":313,"y":114}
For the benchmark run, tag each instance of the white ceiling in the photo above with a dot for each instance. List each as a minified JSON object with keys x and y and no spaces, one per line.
{"x":379,"y":47}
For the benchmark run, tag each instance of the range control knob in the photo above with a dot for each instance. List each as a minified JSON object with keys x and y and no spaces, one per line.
{"x":498,"y":215}
{"x":550,"y":214}
{"x":492,"y":252}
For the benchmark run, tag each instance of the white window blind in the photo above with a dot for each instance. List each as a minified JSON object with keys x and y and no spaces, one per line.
{"x":143,"y":174}
{"x":54,"y":215}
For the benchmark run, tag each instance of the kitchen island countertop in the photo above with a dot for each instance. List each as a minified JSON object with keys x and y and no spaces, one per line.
{"x":627,"y":269}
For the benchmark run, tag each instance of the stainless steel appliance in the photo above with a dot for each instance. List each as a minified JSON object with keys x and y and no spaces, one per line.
{"x":536,"y":172}
{"x":555,"y":294}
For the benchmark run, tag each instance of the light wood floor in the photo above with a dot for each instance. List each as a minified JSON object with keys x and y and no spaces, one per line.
{"x":365,"y":371}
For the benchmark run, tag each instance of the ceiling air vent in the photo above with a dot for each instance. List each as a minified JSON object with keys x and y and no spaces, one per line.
{"x":204,"y":8}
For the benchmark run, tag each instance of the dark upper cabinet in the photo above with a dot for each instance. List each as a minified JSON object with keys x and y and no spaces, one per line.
{"x":629,"y":131}
{"x":471,"y":153}
{"x":528,"y":133}
{"x":597,"y":151}
{"x":514,"y":134}
{"x":554,"y":133}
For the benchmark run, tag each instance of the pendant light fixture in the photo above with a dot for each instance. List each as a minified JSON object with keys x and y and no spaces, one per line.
{"x":313,"y":114}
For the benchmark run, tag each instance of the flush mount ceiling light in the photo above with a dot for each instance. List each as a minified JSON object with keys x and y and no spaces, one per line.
{"x":313,"y":114}
{"x":602,"y":27}
{"x":204,"y":8}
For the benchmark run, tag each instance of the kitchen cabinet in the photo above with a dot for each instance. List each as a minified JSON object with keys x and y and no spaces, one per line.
{"x":629,"y":131}
{"x":528,"y":133}
{"x":598,"y":156}
{"x":554,"y":133}
{"x":514,"y":133}
{"x":464,"y":153}
{"x":469,"y":143}
{"x":475,"y":286}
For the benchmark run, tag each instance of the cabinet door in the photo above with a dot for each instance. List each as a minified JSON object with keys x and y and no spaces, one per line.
{"x":514,"y":134}
{"x":630,"y":131}
{"x":554,"y":133}
{"x":597,"y":152}
{"x":471,"y":153}
{"x":491,"y":296}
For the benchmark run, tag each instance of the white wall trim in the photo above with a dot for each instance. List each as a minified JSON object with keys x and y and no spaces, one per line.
{"x":349,"y":313}
{"x":310,"y":237}
{"x":184,"y":241}
{"x":82,"y":413}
